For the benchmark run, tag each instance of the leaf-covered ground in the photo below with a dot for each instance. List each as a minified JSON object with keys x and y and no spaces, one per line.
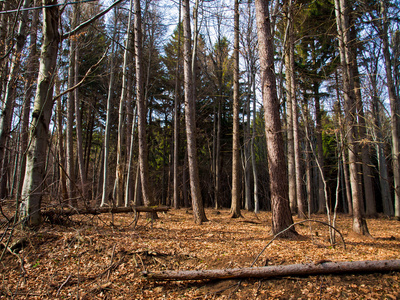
{"x":88,"y":258}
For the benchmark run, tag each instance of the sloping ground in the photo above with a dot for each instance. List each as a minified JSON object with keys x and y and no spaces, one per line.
{"x":87,"y":258}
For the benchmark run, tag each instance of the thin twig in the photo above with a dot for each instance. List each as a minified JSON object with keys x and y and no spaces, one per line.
{"x":62,"y":285}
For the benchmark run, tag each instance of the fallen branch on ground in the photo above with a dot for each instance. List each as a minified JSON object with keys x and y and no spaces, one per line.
{"x":317,"y":268}
{"x":102,"y":210}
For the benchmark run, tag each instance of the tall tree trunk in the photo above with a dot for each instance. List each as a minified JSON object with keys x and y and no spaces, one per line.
{"x":63,"y":178}
{"x":235,"y":190}
{"x":380,"y":153}
{"x":320,"y":152}
{"x":246,"y":151}
{"x":141,"y":108}
{"x":70,"y":115}
{"x":252,"y":150}
{"x":30,"y":73}
{"x":394,"y":105}
{"x":366,"y":174}
{"x":36,"y":155}
{"x":104,"y":196}
{"x":119,"y":176}
{"x":289,"y":109}
{"x":9,"y":95}
{"x":128,"y":189}
{"x":177,"y":108}
{"x":78,"y":118}
{"x":281,"y":215}
{"x":342,"y":20}
{"x":190,"y":119}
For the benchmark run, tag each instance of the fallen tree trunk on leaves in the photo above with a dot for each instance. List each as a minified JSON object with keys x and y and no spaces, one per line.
{"x":322,"y":267}
{"x":102,"y":210}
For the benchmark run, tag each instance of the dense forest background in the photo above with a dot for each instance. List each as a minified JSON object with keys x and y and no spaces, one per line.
{"x":97,"y":100}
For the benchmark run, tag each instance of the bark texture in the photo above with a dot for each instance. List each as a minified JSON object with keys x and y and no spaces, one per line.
{"x":281,"y":215}
{"x":190,"y":121}
{"x":317,"y":268}
{"x":36,"y":154}
{"x":235,"y":205}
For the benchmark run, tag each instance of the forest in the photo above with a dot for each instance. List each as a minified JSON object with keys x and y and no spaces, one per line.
{"x":208,"y":116}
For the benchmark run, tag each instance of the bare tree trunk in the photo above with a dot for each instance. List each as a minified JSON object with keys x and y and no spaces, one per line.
{"x":281,"y":215}
{"x":36,"y":155}
{"x":370,"y":203}
{"x":70,"y":115}
{"x":252,"y":150}
{"x":246,"y":152}
{"x":141,"y":108}
{"x":320,"y":153}
{"x":289,"y":110}
{"x":9,"y":95}
{"x":63,"y":178}
{"x":104,"y":196}
{"x":30,"y":73}
{"x":382,"y":164}
{"x":177,"y":107}
{"x":342,"y":20}
{"x":235,"y":205}
{"x":119,"y":176}
{"x":78,"y":118}
{"x":190,"y":120}
{"x":394,"y":106}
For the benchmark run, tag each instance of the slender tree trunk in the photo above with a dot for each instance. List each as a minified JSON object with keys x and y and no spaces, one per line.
{"x":9,"y":95}
{"x":104,"y":196}
{"x":70,"y":115}
{"x":394,"y":106}
{"x":235,"y":205}
{"x":320,"y":152}
{"x":63,"y":178}
{"x":366,"y":174}
{"x":119,"y":176}
{"x":281,"y":215}
{"x":36,"y":155}
{"x":342,"y":17}
{"x":253,"y":154}
{"x":78,"y":119}
{"x":128,"y":189}
{"x":177,"y":107}
{"x":246,"y":152}
{"x":30,"y":73}
{"x":190,"y":120}
{"x":141,"y":108}
{"x":382,"y":164}
{"x":289,"y":110}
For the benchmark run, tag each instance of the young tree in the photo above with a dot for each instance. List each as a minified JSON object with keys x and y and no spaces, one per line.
{"x":281,"y":215}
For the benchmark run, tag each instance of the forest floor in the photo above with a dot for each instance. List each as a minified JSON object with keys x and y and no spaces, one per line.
{"x":88,"y":258}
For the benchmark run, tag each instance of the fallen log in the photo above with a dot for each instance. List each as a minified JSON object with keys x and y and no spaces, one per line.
{"x":318,"y":268}
{"x":102,"y":210}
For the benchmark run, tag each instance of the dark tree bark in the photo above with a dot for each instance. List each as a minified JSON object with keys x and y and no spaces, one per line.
{"x":235,"y":206}
{"x":190,"y":120}
{"x":281,"y":215}
{"x":141,"y":108}
{"x":7,"y":110}
{"x":343,"y":26}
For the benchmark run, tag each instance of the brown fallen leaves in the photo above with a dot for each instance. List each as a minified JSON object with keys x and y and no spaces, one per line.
{"x":90,"y":259}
